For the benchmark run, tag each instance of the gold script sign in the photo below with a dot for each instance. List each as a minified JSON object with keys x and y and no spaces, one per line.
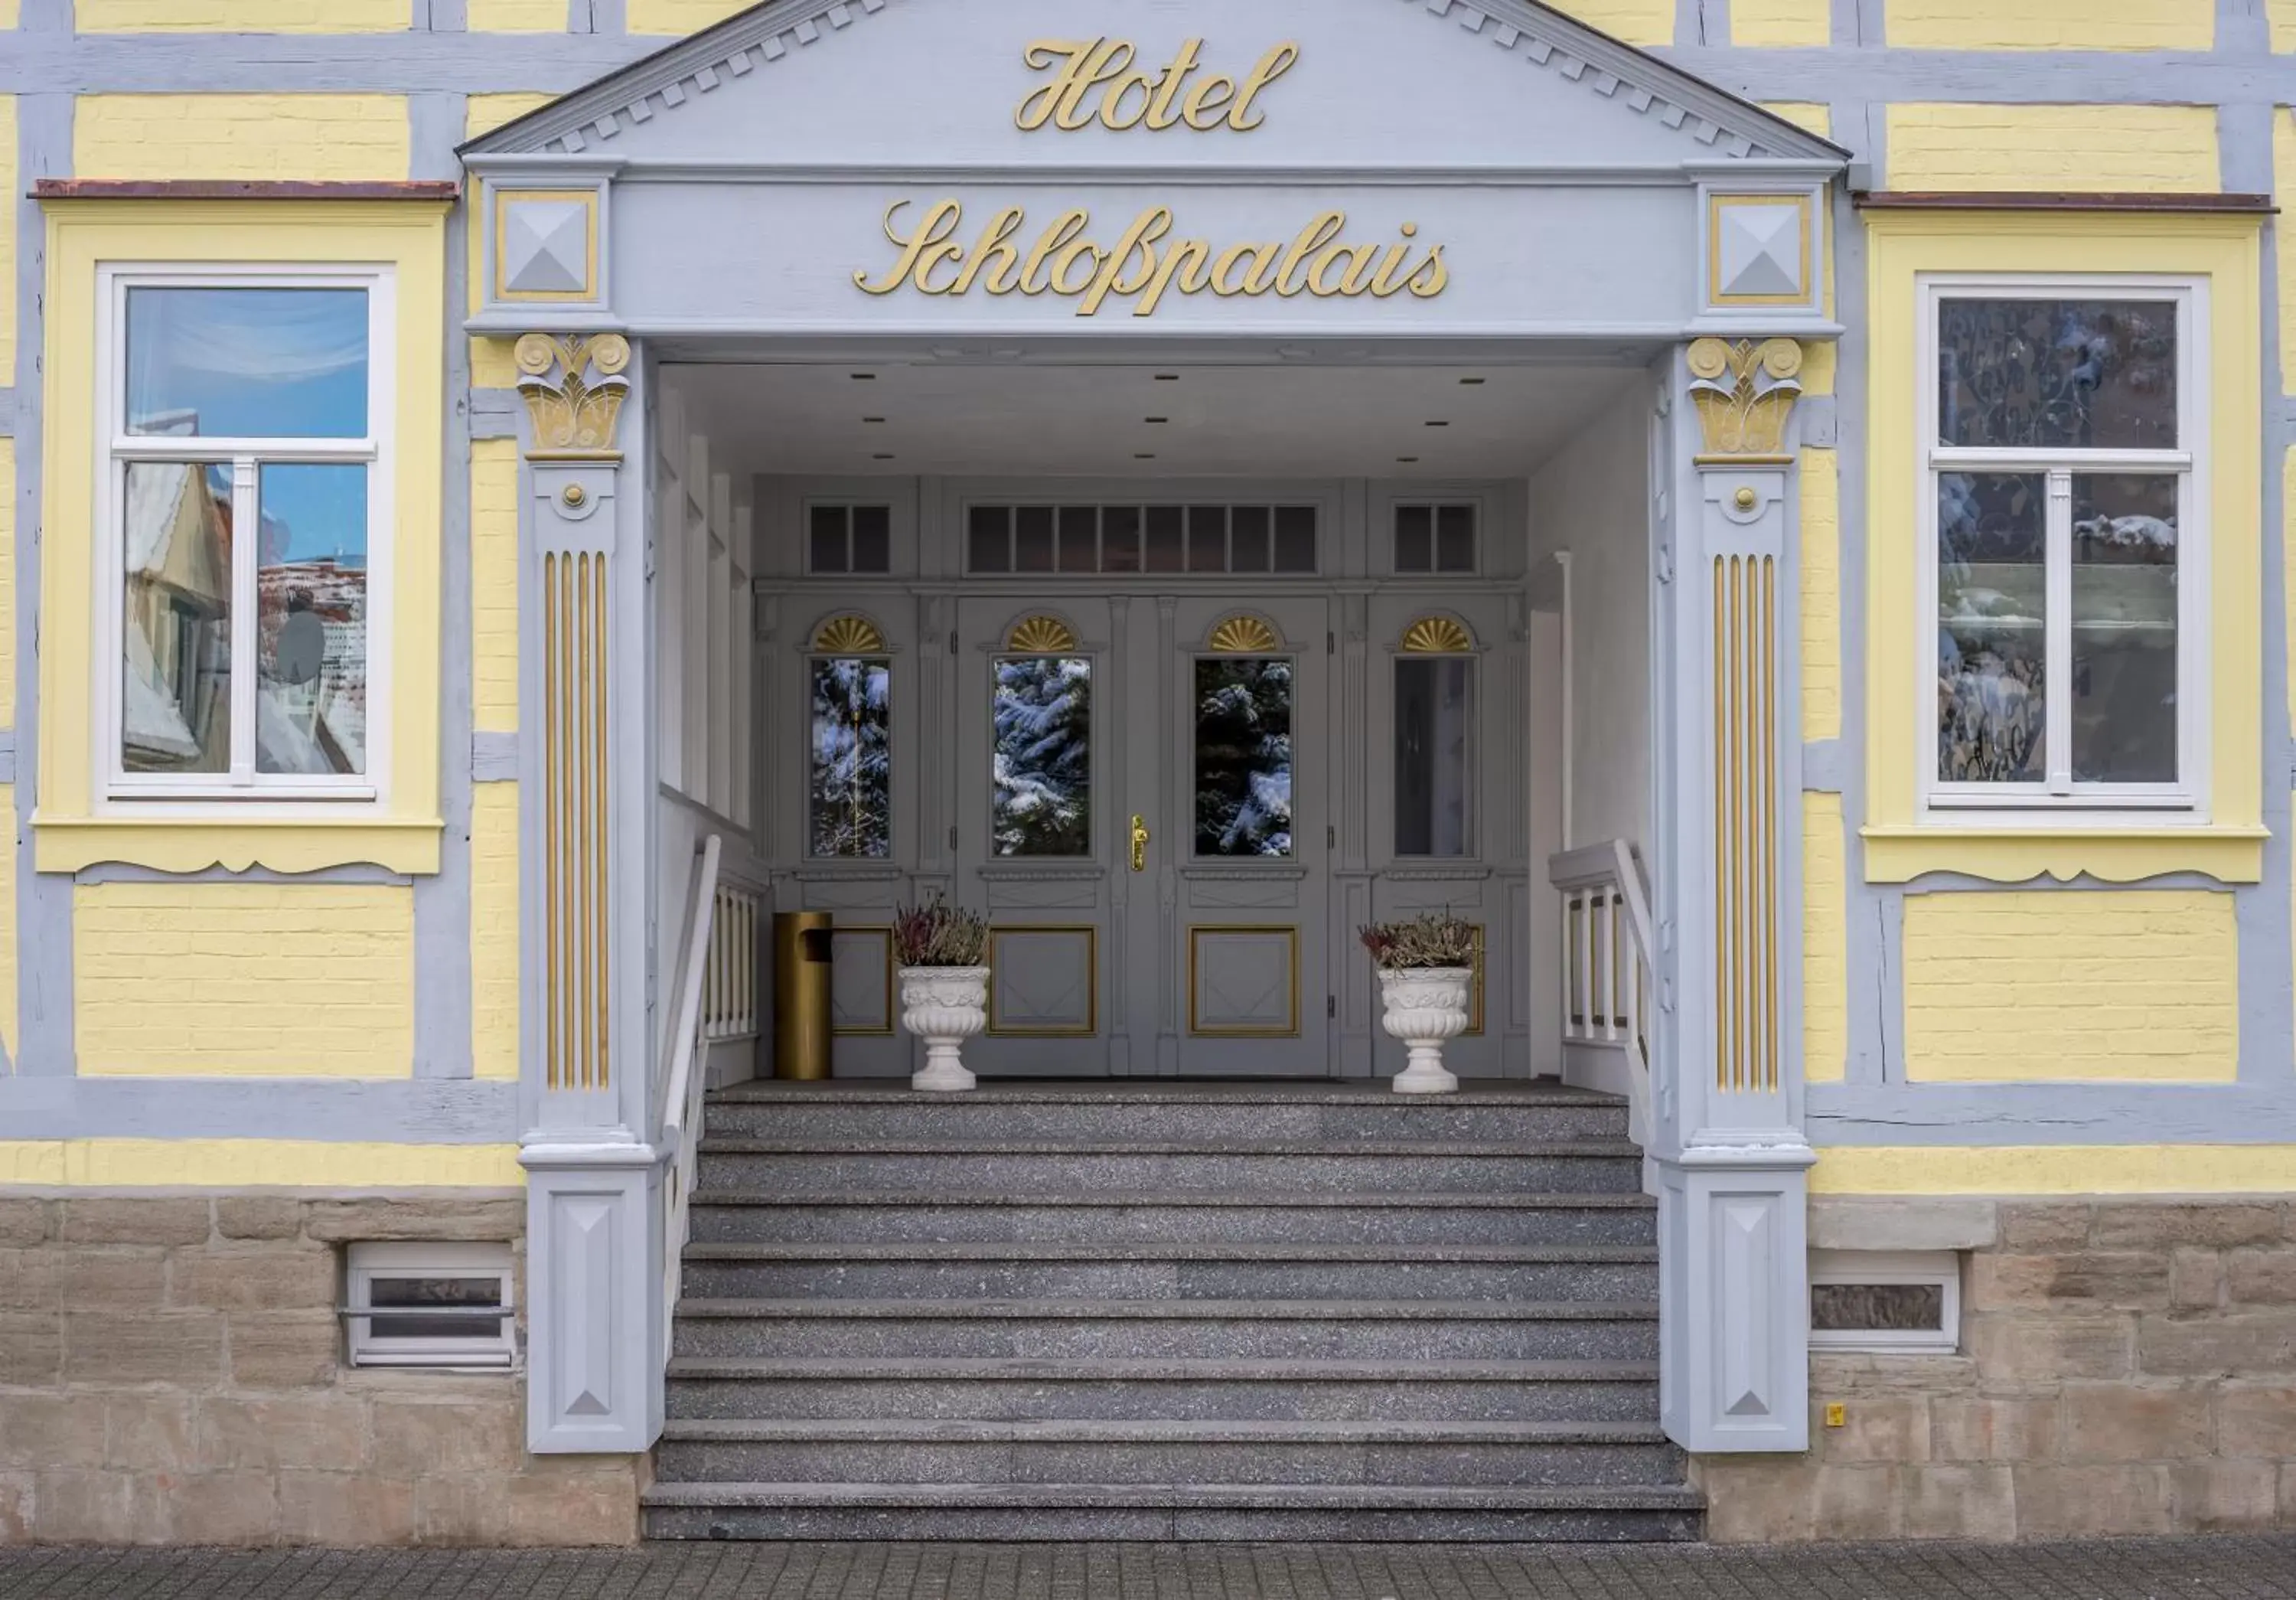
{"x":1144,"y":262}
{"x":1101,"y":80}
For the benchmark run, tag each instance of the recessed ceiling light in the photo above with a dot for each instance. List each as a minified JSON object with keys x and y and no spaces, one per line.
{"x":1167,"y":377}
{"x":1156,"y":419}
{"x":1438,"y":424}
{"x":1405,"y":460}
{"x":873,"y":419}
{"x":883,"y":456}
{"x":1471,"y":382}
{"x":1143,"y":455}
{"x":865,"y":377}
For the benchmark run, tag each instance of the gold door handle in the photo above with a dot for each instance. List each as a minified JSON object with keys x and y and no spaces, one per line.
{"x":1139,"y":843}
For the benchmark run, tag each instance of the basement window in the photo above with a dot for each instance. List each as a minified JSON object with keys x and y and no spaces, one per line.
{"x":1886,"y":1301}
{"x":431,"y":1305}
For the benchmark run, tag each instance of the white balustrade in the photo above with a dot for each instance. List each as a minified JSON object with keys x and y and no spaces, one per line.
{"x":1606,"y":960}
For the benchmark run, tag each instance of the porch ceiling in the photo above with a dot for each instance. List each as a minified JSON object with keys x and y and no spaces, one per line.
{"x":1446,"y":421}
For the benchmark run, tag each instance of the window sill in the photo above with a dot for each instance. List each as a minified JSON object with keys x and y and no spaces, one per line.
{"x":2116,"y":852}
{"x":189,"y":844}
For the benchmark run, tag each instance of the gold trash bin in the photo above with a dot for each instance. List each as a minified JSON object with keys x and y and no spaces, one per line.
{"x":802,"y":1020}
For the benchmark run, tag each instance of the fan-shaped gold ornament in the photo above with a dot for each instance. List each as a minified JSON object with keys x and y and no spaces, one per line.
{"x":1437,"y":636}
{"x":1040,"y":636}
{"x":849,"y":636}
{"x":1244,"y":636}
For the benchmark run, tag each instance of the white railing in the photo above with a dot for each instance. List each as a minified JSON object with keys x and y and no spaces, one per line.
{"x":680,"y":1111}
{"x":729,"y":993}
{"x":1606,"y":963}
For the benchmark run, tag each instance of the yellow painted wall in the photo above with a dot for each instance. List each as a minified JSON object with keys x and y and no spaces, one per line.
{"x":2056,"y":1170}
{"x":1824,"y":940}
{"x":1636,"y":22}
{"x":1821,"y":595}
{"x":310,"y":137}
{"x":8,"y":235}
{"x":516,"y":16}
{"x":1781,"y":22}
{"x":679,"y":16}
{"x":2049,"y":24}
{"x":240,"y":978}
{"x":1813,"y":115}
{"x":494,"y":584}
{"x":494,"y":930}
{"x":243,"y":16}
{"x":2088,"y":148}
{"x":2128,"y":985}
{"x":2283,"y":13}
{"x":8,"y":14}
{"x":2284,"y":189}
{"x":7,"y":582}
{"x":249,"y":1163}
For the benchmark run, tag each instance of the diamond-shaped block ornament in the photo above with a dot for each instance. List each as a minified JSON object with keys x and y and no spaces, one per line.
{"x":1761,"y":248}
{"x":545,"y":246}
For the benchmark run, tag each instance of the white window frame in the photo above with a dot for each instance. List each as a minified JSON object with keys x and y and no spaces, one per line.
{"x":243,"y":792}
{"x":1924,"y":1268}
{"x":2058,"y":801}
{"x":485,"y":1351}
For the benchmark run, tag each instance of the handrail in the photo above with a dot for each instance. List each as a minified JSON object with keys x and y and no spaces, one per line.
{"x":680,"y":1111}
{"x":1605,"y":993}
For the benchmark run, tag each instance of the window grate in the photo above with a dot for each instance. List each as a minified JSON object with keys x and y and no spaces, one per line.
{"x":431,"y":1305}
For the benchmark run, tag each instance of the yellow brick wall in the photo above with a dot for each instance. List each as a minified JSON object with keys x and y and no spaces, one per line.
{"x":494,"y":930}
{"x":309,"y":137}
{"x":7,"y":584}
{"x":2283,"y":13}
{"x":1636,"y":22}
{"x":2088,"y":148}
{"x":1802,"y":113}
{"x":494,"y":584}
{"x":679,"y":16}
{"x":1781,"y":22}
{"x":2042,"y":984}
{"x":1825,"y":939}
{"x":7,"y":13}
{"x":516,"y":16}
{"x":242,"y":16}
{"x":234,"y":978}
{"x":1821,"y":595}
{"x":2051,"y":24}
{"x":2284,"y":189}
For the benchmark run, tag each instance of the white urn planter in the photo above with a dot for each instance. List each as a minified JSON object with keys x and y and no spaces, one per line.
{"x":1425,"y":1007}
{"x":943,"y":1005}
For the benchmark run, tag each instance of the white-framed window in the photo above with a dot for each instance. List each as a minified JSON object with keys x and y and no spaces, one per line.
{"x":2064,"y":450}
{"x":1885,"y":1300}
{"x":1436,"y":537}
{"x":237,"y":668}
{"x":431,"y":1305}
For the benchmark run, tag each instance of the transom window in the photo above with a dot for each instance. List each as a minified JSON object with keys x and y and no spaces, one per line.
{"x":1435,"y":537}
{"x":849,"y":539}
{"x":2064,"y":559}
{"x":248,"y":473}
{"x":1140,"y":538}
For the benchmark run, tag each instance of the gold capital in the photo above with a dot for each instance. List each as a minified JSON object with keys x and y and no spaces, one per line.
{"x":574,"y":391}
{"x":1746,"y":393}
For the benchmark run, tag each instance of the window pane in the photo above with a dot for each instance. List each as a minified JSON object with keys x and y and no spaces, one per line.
{"x":1248,"y":532}
{"x":2085,"y":374}
{"x":1433,"y":711}
{"x":418,"y":1293}
{"x":175,"y":677}
{"x":872,"y":538}
{"x":310,"y":601}
{"x":1032,"y":539}
{"x":1295,"y":538}
{"x":1244,"y":756}
{"x":1208,"y":538}
{"x":1079,"y":538}
{"x":827,"y":552}
{"x":247,"y":363}
{"x":852,"y":788}
{"x":1877,"y":1307}
{"x":1119,"y":538}
{"x":2124,"y":685}
{"x":1992,"y":627}
{"x":991,"y":538}
{"x":1167,"y":539}
{"x":1043,"y":756}
{"x":1414,"y":539}
{"x":1454,"y":539}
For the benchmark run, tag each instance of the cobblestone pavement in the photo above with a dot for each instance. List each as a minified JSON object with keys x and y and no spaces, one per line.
{"x":2201,"y":1569}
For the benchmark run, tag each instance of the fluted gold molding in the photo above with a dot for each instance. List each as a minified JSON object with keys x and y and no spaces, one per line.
{"x":849,"y":636}
{"x":1438,"y":636}
{"x":574,"y":766}
{"x":1040,"y":636}
{"x":1244,"y":636}
{"x":574,"y":390}
{"x":1745,"y":394}
{"x":1745,"y":826}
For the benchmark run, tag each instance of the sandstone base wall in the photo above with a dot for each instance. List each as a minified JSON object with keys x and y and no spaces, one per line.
{"x":171,"y":1372}
{"x":2127,"y":1366}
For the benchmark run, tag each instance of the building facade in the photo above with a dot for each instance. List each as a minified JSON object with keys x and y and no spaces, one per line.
{"x":1774,"y":509}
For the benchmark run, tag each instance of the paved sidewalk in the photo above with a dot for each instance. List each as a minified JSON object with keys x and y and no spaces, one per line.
{"x":2200,"y":1568}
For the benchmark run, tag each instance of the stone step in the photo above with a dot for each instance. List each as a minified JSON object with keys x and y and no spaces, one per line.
{"x":1370,"y":1513}
{"x":1414,"y":1453}
{"x":787,"y":1388}
{"x":1023,"y":1167}
{"x":1257,"y":1330}
{"x":834,"y":1115}
{"x":1218,"y":1272}
{"x":1238,"y":1216}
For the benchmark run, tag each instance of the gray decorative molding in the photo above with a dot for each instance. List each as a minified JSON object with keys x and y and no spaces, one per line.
{"x":121,"y":872}
{"x":7,"y":411}
{"x":1819,"y":418}
{"x":1821,"y":767}
{"x":2050,"y":1113}
{"x":496,"y":413}
{"x":398,"y":1111}
{"x":494,"y":757}
{"x":7,"y":755}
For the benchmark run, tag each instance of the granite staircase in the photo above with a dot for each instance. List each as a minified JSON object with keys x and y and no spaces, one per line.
{"x":1179,"y":1311}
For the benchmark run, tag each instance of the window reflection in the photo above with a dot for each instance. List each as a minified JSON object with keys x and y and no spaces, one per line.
{"x":2124,"y":616}
{"x":2048,"y":373}
{"x":1244,"y":756}
{"x":1992,"y":627}
{"x":176,"y":680}
{"x":248,"y":363}
{"x":851,"y":793}
{"x":1043,"y":719}
{"x":1433,"y":712}
{"x":311,"y":599}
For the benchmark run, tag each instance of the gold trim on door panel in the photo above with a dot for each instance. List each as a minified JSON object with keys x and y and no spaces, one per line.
{"x":1091,"y":932}
{"x":1195,"y":1027}
{"x":892,"y":1013}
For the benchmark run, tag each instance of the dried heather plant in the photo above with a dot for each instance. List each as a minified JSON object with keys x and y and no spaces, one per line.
{"x":939,"y":934}
{"x":1434,"y":938}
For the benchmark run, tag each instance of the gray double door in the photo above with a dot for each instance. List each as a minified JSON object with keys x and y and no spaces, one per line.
{"x":1143,"y":804}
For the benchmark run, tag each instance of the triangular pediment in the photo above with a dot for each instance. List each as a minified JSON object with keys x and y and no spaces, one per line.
{"x":1433,"y":84}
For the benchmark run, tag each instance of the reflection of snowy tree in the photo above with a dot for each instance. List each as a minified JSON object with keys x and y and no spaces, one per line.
{"x":852,"y":794}
{"x":2080,"y":374}
{"x":1991,"y":606}
{"x":1244,"y":756}
{"x":1043,"y":756}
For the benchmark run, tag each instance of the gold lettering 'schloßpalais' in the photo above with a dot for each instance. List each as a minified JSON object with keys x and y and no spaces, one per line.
{"x":1101,"y":81}
{"x":1144,"y":261}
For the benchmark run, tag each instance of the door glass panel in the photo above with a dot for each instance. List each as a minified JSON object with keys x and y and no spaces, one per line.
{"x":176,"y":682}
{"x":2124,"y":688}
{"x":1434,"y":709}
{"x":851,"y":793}
{"x":1992,"y":632}
{"x":1043,"y":719}
{"x":1244,"y":756}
